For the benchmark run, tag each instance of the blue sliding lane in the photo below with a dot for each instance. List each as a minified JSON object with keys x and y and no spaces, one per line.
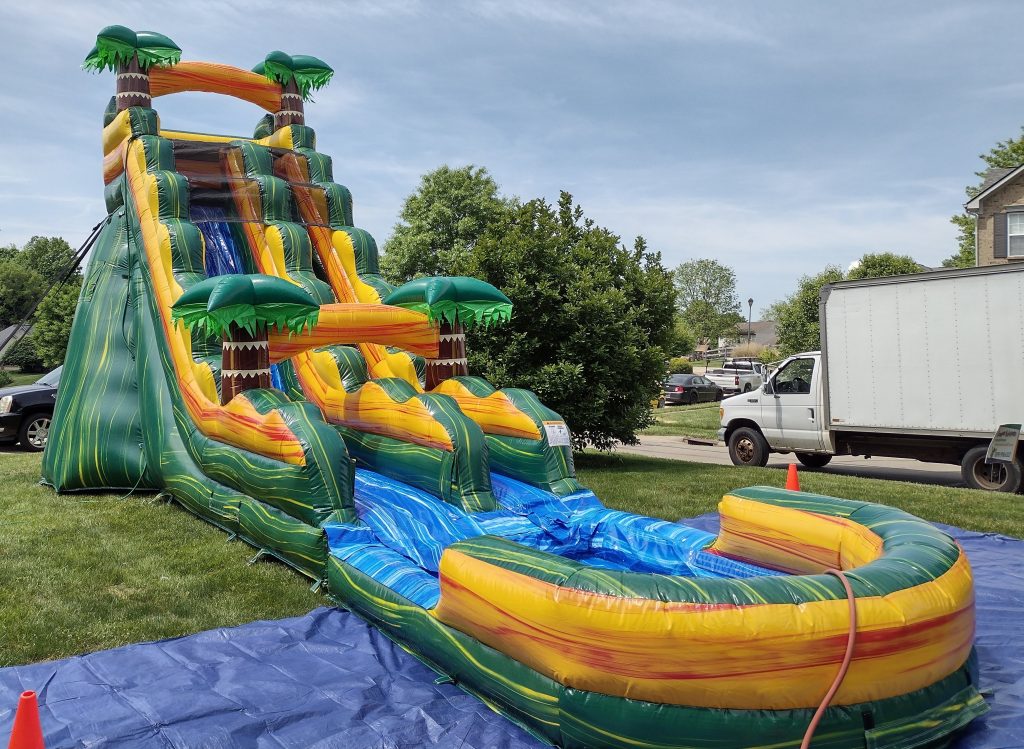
{"x":221,"y":255}
{"x":406,"y":530}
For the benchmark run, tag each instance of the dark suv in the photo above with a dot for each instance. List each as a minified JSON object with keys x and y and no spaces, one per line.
{"x":26,"y":411}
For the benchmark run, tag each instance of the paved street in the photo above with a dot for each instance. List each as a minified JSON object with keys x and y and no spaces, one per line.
{"x":893,"y":469}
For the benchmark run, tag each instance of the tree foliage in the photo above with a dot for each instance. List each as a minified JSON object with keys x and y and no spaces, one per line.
{"x":879,"y":264}
{"x":441,"y":222}
{"x":592,"y":319}
{"x":964,"y":257}
{"x":590,"y":324}
{"x":48,"y":256}
{"x":796,"y":317}
{"x":1005,"y":154}
{"x":25,"y":275}
{"x":706,"y":295}
{"x":53,"y":323}
{"x":20,"y":287}
{"x":683,"y":341}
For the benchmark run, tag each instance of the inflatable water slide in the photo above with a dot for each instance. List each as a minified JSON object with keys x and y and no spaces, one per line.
{"x":236,"y":349}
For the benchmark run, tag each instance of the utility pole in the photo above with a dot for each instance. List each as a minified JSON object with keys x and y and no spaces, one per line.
{"x":750,"y":310}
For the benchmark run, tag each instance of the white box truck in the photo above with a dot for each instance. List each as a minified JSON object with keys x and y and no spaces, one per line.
{"x":923,"y":366}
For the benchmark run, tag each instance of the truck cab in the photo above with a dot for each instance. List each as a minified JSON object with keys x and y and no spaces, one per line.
{"x":782,"y":415}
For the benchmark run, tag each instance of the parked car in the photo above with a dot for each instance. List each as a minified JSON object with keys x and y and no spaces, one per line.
{"x":26,"y":410}
{"x":684,"y":389}
{"x":738,"y":375}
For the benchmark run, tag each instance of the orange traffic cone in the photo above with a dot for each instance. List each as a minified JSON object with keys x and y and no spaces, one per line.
{"x":792,"y":480}
{"x":27,"y":732}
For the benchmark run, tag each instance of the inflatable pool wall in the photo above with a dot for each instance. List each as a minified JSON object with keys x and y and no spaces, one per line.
{"x":451,"y":517}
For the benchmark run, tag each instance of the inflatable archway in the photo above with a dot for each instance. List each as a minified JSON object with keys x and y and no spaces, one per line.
{"x":236,"y":348}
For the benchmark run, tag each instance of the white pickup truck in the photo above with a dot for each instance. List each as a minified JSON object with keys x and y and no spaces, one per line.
{"x":898,"y":375}
{"x":737,"y":375}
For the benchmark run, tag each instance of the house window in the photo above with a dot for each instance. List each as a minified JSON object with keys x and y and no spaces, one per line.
{"x":1015,"y":234}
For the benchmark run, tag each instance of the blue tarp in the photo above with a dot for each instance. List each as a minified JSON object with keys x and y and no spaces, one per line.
{"x":329,"y":680}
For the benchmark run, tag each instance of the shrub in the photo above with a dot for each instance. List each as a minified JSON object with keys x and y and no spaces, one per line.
{"x":23,"y":355}
{"x":770,"y":354}
{"x":753,"y":350}
{"x":592,"y":318}
{"x":5,"y":378}
{"x":680,"y":365}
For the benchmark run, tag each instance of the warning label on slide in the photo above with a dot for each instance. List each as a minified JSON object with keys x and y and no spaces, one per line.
{"x":557,"y":433}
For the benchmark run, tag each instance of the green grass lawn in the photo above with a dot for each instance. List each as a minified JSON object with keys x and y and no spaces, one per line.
{"x":85,"y":572}
{"x":23,"y":378}
{"x":699,"y":420}
{"x":82,"y":572}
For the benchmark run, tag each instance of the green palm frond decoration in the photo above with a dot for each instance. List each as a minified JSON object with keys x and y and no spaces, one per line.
{"x":253,"y":303}
{"x":309,"y":73}
{"x":115,"y":46}
{"x":459,"y":300}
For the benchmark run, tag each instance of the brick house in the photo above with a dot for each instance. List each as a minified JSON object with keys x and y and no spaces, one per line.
{"x":999,"y":210}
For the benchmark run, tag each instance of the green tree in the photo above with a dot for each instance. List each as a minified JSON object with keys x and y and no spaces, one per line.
{"x":441,"y":223}
{"x":796,"y":316}
{"x":683,"y":340}
{"x":964,"y":257}
{"x":25,"y":275}
{"x":590,"y":320}
{"x":53,"y":323}
{"x":20,"y":287}
{"x":1005,"y":154}
{"x":879,"y":264}
{"x":50,"y":257}
{"x":707,"y":299}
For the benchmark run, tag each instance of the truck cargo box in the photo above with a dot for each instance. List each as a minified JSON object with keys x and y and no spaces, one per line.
{"x":930,"y":353}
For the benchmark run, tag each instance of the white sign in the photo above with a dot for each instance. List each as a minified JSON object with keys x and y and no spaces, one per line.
{"x":1003,"y":447}
{"x":557,"y":433}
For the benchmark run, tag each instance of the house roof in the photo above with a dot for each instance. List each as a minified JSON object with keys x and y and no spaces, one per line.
{"x":994,"y":178}
{"x":13,"y":332}
{"x":763,"y":332}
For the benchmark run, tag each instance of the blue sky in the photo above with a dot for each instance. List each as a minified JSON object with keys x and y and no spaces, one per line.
{"x":777,"y":137}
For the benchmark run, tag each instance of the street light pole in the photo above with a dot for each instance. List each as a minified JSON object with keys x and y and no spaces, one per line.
{"x":750,"y":310}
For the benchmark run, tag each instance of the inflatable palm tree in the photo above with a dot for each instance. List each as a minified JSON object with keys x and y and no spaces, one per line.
{"x":299,"y":75}
{"x":456,"y":304}
{"x":241,"y":309}
{"x":131,"y":54}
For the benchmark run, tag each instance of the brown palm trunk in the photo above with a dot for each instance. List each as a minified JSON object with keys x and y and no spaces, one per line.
{"x":132,"y":86}
{"x":291,"y":111}
{"x":245,"y":362}
{"x":451,"y":356}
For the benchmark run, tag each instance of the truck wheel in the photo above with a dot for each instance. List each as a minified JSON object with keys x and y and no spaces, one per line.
{"x":814,"y":460}
{"x":994,"y":477}
{"x":746,"y":388}
{"x":748,"y":447}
